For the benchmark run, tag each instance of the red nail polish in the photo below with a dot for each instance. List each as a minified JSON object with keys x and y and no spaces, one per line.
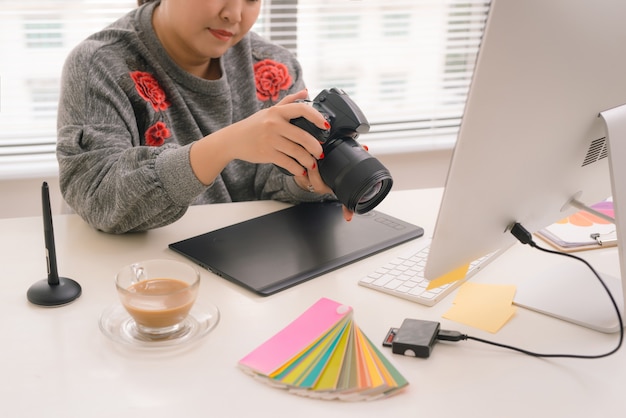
{"x":366,"y":148}
{"x":326,"y":125}
{"x":321,"y":156}
{"x":314,"y":165}
{"x":304,"y":173}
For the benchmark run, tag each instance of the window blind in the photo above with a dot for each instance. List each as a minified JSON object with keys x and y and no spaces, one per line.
{"x":406,"y":63}
{"x":35,"y":38}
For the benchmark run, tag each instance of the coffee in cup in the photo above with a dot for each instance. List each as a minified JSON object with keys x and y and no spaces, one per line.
{"x":158,"y":295}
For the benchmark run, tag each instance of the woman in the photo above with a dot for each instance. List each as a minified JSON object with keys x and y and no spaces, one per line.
{"x":178,"y":103}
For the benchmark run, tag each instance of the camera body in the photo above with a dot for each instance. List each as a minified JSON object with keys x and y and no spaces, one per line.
{"x":358,"y":179}
{"x":343,"y":115}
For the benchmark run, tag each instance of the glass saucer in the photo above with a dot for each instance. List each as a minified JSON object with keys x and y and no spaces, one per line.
{"x":116,"y":324}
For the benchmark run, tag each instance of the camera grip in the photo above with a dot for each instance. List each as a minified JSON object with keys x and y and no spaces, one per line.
{"x":321,"y":135}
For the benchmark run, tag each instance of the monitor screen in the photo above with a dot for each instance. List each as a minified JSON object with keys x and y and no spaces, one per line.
{"x":531,"y":138}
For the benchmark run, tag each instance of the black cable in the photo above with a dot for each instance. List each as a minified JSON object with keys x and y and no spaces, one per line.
{"x":525,"y":237}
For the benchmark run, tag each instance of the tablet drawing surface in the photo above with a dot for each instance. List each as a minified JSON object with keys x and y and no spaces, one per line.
{"x":275,"y":251}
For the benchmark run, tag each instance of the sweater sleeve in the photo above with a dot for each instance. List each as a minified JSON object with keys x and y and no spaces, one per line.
{"x":106,"y":175}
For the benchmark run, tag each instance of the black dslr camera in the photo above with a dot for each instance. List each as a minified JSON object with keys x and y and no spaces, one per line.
{"x":358,"y":180}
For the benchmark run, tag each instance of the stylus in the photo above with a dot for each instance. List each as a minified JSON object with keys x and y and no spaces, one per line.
{"x":51,"y":259}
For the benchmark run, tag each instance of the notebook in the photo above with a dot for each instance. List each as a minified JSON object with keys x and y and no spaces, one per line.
{"x":275,"y":251}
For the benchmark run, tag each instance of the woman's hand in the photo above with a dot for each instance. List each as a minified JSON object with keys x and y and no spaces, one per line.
{"x":265,"y":137}
{"x":306,"y":183}
{"x":269,"y":137}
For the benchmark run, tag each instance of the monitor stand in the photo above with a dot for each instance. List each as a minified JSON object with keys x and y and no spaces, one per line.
{"x":570,"y":291}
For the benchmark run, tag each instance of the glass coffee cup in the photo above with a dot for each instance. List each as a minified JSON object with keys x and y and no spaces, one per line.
{"x":158,"y":295}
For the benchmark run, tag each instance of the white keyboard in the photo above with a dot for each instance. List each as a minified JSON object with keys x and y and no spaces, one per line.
{"x":404,"y":277}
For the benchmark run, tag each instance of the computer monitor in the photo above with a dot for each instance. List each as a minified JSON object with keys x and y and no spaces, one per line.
{"x":531,"y":139}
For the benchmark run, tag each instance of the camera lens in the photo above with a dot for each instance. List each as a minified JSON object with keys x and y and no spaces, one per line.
{"x":372,"y":192}
{"x":373,"y":188}
{"x":359,"y":180}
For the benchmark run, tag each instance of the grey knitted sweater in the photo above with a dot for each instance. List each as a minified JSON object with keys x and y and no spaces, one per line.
{"x":128,"y":116}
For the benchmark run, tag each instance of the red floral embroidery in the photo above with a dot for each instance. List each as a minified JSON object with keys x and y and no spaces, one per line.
{"x":157,"y":134}
{"x":148,"y":87}
{"x":270,"y":78}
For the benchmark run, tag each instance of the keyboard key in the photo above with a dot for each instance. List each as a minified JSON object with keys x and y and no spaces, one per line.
{"x":393,"y":284}
{"x":416,"y":291}
{"x":383,"y":280}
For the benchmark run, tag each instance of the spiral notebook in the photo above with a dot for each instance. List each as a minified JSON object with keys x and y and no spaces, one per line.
{"x":275,"y":251}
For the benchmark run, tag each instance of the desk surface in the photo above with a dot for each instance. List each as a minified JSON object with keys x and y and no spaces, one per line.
{"x":55,"y":361}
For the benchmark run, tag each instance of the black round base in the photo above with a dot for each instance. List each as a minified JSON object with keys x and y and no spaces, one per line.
{"x":45,"y":294}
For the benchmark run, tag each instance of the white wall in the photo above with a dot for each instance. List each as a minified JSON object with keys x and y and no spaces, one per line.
{"x":23,"y":197}
{"x":411,"y":170}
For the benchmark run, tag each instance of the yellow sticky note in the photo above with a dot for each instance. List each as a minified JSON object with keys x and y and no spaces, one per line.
{"x":491,"y":294}
{"x":450,"y":277}
{"x":484,"y":306}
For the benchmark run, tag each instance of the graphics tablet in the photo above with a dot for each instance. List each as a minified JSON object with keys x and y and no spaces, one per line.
{"x":275,"y":251}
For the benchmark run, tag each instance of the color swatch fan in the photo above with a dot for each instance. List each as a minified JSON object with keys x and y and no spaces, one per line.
{"x":324,"y":354}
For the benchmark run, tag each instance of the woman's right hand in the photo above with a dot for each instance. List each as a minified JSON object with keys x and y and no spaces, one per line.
{"x":265,"y":137}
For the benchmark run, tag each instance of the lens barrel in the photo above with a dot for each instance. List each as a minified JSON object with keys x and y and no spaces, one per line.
{"x":359,"y":180}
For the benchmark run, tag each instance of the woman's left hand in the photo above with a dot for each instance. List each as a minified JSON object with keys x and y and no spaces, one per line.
{"x":312,"y":181}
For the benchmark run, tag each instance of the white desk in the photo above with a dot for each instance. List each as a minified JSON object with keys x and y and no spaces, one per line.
{"x":56,"y":363}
